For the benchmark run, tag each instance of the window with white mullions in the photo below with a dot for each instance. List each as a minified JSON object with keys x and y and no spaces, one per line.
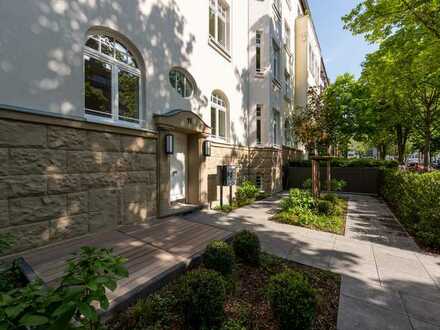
{"x":181,"y":83}
{"x":276,"y":127}
{"x":258,"y":37}
{"x":218,"y":116}
{"x":112,"y":80}
{"x":219,"y":18}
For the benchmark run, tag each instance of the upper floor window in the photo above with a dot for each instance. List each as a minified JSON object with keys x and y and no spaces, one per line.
{"x":218,"y":115}
{"x":276,"y":127}
{"x":219,"y":22}
{"x":181,"y":82}
{"x":258,"y":37}
{"x":112,"y":80}
{"x":276,"y":61}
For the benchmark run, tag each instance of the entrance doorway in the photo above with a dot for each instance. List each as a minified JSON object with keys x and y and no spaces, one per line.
{"x":178,"y":170}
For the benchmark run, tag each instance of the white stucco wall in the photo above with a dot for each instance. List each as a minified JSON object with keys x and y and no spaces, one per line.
{"x":41,"y":54}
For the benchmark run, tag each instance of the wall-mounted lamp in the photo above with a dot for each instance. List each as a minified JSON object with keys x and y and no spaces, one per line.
{"x":207,"y":148}
{"x":169,"y":144}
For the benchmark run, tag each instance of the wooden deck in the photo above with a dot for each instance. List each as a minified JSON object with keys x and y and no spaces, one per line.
{"x":154,"y":252}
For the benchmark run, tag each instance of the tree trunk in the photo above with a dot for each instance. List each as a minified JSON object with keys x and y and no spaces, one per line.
{"x":427,"y":150}
{"x":402,"y":137}
{"x":382,"y":151}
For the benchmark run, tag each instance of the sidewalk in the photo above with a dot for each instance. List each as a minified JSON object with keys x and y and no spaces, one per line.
{"x":387,"y":282}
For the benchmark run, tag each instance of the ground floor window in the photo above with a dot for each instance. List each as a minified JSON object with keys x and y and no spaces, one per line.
{"x":259,"y":182}
{"x":218,"y":115}
{"x":112,"y":80}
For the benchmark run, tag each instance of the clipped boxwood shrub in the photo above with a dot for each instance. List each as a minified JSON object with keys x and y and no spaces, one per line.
{"x":202,"y":299}
{"x":415,"y":197}
{"x":219,"y":256}
{"x":293,"y":300}
{"x":325,"y":207}
{"x":247,"y":247}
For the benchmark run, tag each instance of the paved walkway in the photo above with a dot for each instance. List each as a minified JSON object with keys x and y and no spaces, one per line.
{"x":387,"y":282}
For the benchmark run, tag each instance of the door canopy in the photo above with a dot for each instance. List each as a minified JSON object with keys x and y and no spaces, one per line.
{"x":182,"y":121}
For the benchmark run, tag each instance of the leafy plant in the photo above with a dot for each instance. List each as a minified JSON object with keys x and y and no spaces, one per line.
{"x":246,"y":193}
{"x":219,"y":256}
{"x":233,"y":325}
{"x":338,"y":185}
{"x":202,"y":299}
{"x":247,"y":247}
{"x":6,"y":241}
{"x":88,"y":275}
{"x":297,"y":199}
{"x":292,"y":300}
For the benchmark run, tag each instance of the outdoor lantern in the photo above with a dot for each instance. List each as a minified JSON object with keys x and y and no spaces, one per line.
{"x":169,"y":144}
{"x":207,"y":148}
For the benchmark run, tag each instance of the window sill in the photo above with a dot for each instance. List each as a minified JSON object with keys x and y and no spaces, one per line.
{"x":259,"y":74}
{"x":111,"y":122}
{"x":219,"y":49}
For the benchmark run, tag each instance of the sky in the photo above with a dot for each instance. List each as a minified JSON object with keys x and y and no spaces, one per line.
{"x":342,"y":51}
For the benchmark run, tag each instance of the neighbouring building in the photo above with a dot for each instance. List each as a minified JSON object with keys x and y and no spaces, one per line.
{"x":114,"y":112}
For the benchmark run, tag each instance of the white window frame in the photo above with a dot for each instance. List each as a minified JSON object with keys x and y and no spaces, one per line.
{"x":258,"y":51}
{"x":221,"y":11}
{"x":186,"y":81}
{"x":218,"y":103}
{"x":116,"y":67}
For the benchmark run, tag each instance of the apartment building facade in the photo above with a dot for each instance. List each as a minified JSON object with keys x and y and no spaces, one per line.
{"x":112,"y":113}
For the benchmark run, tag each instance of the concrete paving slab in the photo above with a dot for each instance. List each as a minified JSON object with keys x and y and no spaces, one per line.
{"x":360,"y":315}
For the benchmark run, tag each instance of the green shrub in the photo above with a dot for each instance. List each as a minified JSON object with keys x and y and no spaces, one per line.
{"x":233,"y":325}
{"x":247,"y":247}
{"x":297,"y":199}
{"x":219,"y":256}
{"x":338,"y":185}
{"x":415,"y":197}
{"x":331,"y":197}
{"x":155,"y":311}
{"x":293,"y":300}
{"x":203,"y":296}
{"x":246,"y":193}
{"x":325,"y":207}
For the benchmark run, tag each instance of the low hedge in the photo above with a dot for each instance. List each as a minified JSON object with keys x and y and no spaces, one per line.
{"x":343,"y":162}
{"x":415,"y":198}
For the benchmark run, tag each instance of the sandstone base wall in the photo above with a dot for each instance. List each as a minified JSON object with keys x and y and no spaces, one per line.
{"x":59,"y":182}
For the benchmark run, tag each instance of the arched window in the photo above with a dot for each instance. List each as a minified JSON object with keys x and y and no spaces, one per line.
{"x":219,"y":107}
{"x":181,"y":82}
{"x":112,"y":80}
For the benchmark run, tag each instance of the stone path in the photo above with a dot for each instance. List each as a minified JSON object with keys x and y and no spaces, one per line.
{"x":387,"y":282}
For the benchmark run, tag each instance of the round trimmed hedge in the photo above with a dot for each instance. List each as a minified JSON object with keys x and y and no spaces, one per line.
{"x":202,"y":299}
{"x":293,"y":300}
{"x":247,"y":247}
{"x":219,"y":256}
